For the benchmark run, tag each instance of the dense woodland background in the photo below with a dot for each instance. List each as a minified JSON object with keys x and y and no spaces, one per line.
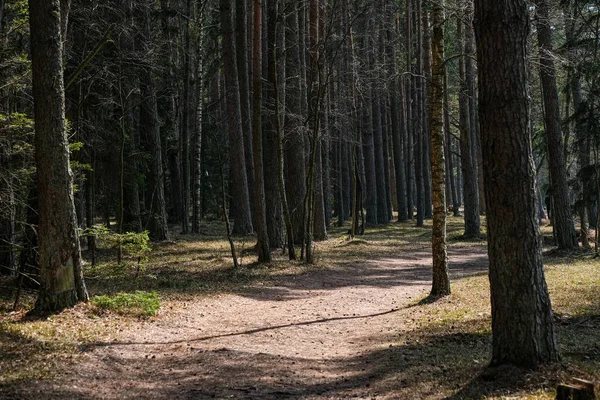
{"x":162,"y":99}
{"x":287,"y":117}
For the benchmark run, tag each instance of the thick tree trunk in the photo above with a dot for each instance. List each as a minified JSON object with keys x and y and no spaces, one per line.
{"x":240,"y":202}
{"x":61,"y":277}
{"x":522,"y":322}
{"x":562,"y":222}
{"x":441,"y":280}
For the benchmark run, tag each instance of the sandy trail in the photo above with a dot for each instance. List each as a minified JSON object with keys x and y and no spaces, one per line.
{"x":322,"y":335}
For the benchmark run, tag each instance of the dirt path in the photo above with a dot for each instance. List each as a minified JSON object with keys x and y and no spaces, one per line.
{"x":319,"y":336}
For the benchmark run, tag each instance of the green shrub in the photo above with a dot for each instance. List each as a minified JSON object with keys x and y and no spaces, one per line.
{"x":132,"y":248}
{"x":138,"y":303}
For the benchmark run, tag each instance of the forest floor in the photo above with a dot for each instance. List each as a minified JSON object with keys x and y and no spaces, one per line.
{"x":352,"y":326}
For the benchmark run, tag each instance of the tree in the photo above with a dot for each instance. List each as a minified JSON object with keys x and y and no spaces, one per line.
{"x":150,"y":124}
{"x":233,"y":121}
{"x":468,"y":157}
{"x":242,"y":20}
{"x":262,"y":245}
{"x":522,"y":325}
{"x":566,"y":238}
{"x":441,"y":281}
{"x":295,"y":139}
{"x":62,"y":283}
{"x":270,"y":141}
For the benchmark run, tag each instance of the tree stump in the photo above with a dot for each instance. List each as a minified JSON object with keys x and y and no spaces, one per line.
{"x":579,"y":389}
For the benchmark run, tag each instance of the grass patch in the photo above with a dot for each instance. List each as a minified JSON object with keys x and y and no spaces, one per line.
{"x":454,"y":334}
{"x":139,"y":303}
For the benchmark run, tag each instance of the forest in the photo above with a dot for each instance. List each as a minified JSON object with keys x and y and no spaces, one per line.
{"x":303,"y":199}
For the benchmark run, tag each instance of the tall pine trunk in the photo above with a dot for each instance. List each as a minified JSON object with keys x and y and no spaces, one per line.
{"x":61,"y":276}
{"x":522,"y":322}
{"x":262,"y":245}
{"x":274,"y":211}
{"x":468,"y":162}
{"x":240,"y":201}
{"x":564,"y":228}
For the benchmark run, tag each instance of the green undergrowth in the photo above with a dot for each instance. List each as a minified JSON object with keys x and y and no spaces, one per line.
{"x":139,"y":303}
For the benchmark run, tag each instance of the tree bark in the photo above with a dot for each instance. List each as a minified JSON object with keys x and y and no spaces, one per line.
{"x":274,"y":211}
{"x":61,"y":276}
{"x":452,"y":187}
{"x":295,"y":142}
{"x":468,"y":163}
{"x":471,"y":87}
{"x":562,"y":222}
{"x":262,"y":245}
{"x":441,"y":280}
{"x":240,"y":201}
{"x":407,"y":93}
{"x":370,"y":171}
{"x":199,"y":131}
{"x":522,"y":322}
{"x":243,"y":41}
{"x":426,"y":158}
{"x":398,"y":124}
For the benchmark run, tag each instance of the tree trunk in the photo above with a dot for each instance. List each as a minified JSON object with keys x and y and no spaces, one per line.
{"x":425,"y":88}
{"x":380,"y":165}
{"x":419,"y":116}
{"x":563,"y":225}
{"x":242,"y":43}
{"x":184,"y":142}
{"x":61,"y":276}
{"x":441,"y":280}
{"x":262,"y":245}
{"x":522,"y":322}
{"x":274,"y":211}
{"x":471,"y":87}
{"x":199,"y":131}
{"x":295,"y":143}
{"x":240,"y":201}
{"x":398,"y":125}
{"x":407,"y":93}
{"x":452,"y":187}
{"x":370,"y":171}
{"x":468,"y":163}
